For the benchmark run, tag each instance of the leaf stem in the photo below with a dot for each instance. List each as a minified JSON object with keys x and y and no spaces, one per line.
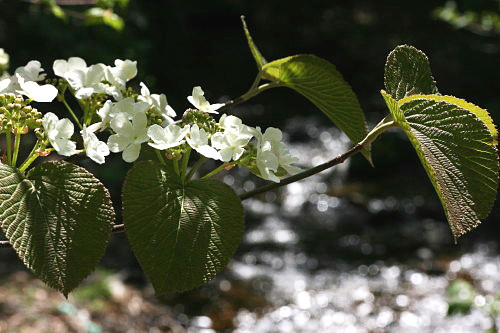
{"x":17,"y":141}
{"x":63,"y":99}
{"x":31,"y":157}
{"x":215,"y":171}
{"x":175,"y":162}
{"x":8,"y":142}
{"x":385,"y":124}
{"x":160,"y":157}
{"x":184,"y":164}
{"x":252,"y":92}
{"x":195,"y":167}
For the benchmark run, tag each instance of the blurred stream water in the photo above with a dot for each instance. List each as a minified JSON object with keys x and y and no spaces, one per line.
{"x":316,"y":258}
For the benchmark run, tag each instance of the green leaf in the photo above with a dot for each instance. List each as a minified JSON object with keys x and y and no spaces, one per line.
{"x":181,"y":234}
{"x":480,"y":113}
{"x":259,"y":59}
{"x":456,"y":150}
{"x":58,"y":219}
{"x":97,"y":16}
{"x":407,"y":72}
{"x":320,"y":82}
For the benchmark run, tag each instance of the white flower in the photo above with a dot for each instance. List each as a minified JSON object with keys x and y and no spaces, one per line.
{"x":129,"y":107}
{"x":5,"y":85}
{"x":232,"y":124}
{"x":95,"y":149}
{"x":159,"y":102}
{"x":168,"y":137}
{"x":126,"y":106}
{"x":4,"y":60}
{"x":272,"y":154}
{"x":31,"y":72}
{"x":268,"y":164}
{"x":87,"y":81}
{"x":198,"y":140}
{"x":129,"y":135}
{"x":62,"y":67}
{"x":230,"y":145}
{"x":59,"y":133}
{"x":124,"y":71}
{"x":200,"y":102}
{"x":36,"y":92}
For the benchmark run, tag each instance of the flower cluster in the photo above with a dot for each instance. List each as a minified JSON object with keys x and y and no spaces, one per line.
{"x":131,"y":119}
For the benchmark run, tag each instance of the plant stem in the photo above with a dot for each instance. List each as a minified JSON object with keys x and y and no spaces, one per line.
{"x":385,"y":124}
{"x":28,"y":162}
{"x":160,"y":157}
{"x":176,"y":166}
{"x":17,"y":141}
{"x":250,"y":93}
{"x":71,"y":111}
{"x":30,"y":159}
{"x":215,"y":171}
{"x":184,"y":165}
{"x":195,"y":167}
{"x":8,"y":142}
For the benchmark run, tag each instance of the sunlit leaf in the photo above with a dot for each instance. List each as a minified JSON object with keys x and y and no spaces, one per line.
{"x":321,"y":83}
{"x":407,"y":72}
{"x":456,"y":149}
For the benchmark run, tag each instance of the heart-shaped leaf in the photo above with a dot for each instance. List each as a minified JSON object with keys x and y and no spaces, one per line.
{"x":58,"y":219}
{"x":456,"y":147}
{"x":181,"y":234}
{"x":407,"y":72}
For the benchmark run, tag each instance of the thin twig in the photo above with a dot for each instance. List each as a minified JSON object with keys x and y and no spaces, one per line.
{"x":337,"y":160}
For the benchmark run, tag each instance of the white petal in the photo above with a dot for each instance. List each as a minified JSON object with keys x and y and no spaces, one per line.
{"x":157,"y":134}
{"x":117,"y":143}
{"x":144,"y":89}
{"x":95,"y":74}
{"x":237,"y":152}
{"x":45,"y":93}
{"x":209,"y":152}
{"x":64,"y":147}
{"x":60,"y":67}
{"x":4,"y":84}
{"x":121,"y":125}
{"x":65,"y":128}
{"x":226,"y":154}
{"x":218,"y":141}
{"x":131,"y":153}
{"x":76,"y":79}
{"x":139,"y":122}
{"x":31,"y":72}
{"x":76,"y":63}
{"x":193,"y":101}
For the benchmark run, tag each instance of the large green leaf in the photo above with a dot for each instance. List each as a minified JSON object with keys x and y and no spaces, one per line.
{"x":456,"y":149}
{"x":181,"y":234}
{"x":321,"y":83}
{"x":407,"y":72}
{"x":259,"y":59}
{"x":58,"y":219}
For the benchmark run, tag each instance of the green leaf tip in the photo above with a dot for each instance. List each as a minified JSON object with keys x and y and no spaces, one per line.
{"x":181,"y":234}
{"x":319,"y":81}
{"x":456,"y":148}
{"x":58,"y":219}
{"x":407,"y":72}
{"x":259,"y":59}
